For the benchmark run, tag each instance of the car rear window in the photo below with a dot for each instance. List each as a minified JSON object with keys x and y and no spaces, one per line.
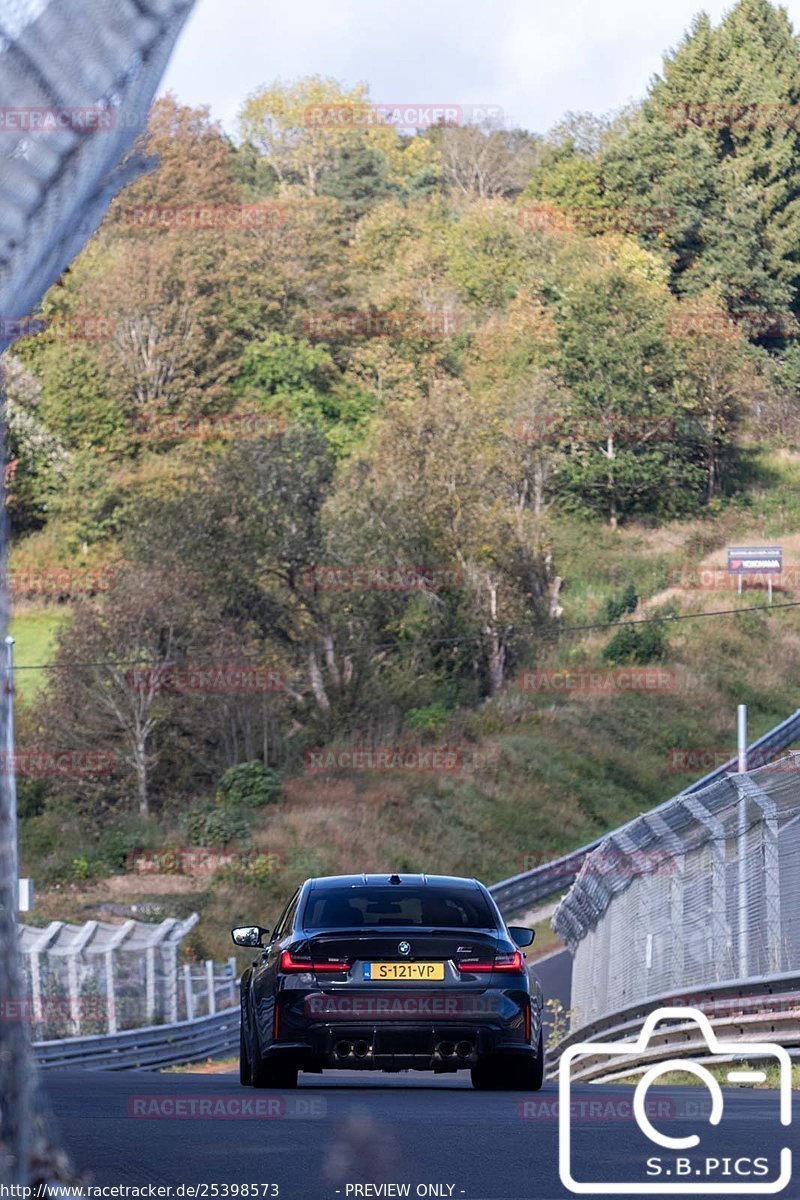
{"x":352,"y":908}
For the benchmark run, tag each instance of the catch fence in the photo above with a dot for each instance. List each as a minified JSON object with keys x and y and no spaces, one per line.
{"x":705,"y":890}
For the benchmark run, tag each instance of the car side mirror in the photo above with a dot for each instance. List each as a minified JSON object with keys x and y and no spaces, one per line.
{"x":521,"y":935}
{"x":249,"y":935}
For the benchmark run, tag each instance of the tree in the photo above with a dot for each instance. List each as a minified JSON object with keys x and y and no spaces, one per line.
{"x":733,"y":181}
{"x":483,"y":162}
{"x":41,"y":464}
{"x":359,"y":180}
{"x":195,"y":165}
{"x":99,"y":700}
{"x":625,"y":444}
{"x":301,"y":127}
{"x":724,"y":380}
{"x":438,"y":484}
{"x":251,"y":526}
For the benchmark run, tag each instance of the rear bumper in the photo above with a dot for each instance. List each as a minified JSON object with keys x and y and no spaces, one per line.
{"x":389,"y":1047}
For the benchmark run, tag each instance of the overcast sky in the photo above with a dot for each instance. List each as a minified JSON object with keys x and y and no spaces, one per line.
{"x":534,"y":59}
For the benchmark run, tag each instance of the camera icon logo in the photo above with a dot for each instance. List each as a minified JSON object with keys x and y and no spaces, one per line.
{"x":678,"y":1173}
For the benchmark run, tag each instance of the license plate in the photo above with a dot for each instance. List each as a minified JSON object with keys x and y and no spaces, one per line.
{"x":419,"y":972}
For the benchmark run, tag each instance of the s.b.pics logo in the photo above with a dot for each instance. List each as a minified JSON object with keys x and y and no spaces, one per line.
{"x":691,"y":1157}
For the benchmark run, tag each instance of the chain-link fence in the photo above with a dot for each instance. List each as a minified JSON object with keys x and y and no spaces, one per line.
{"x":80,"y":980}
{"x":705,"y":890}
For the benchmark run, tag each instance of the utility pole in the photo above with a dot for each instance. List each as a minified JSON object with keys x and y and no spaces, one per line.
{"x":9,"y":770}
{"x":16,"y":1081}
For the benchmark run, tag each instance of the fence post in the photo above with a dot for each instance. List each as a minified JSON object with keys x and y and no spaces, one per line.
{"x":212,"y":997}
{"x":36,"y":994}
{"x":172,"y":988}
{"x":187,"y":991}
{"x":232,"y":973}
{"x":111,"y":1006}
{"x":150,"y":985}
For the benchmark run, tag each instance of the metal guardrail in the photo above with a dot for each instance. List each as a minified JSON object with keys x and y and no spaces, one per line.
{"x":149,"y":1048}
{"x":687,"y":1041}
{"x":737,"y":1009}
{"x":529,"y":888}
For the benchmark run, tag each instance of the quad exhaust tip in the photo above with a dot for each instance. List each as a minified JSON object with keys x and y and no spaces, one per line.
{"x":359,"y":1049}
{"x":462,"y":1049}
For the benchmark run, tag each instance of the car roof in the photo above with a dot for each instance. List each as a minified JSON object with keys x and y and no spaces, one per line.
{"x":329,"y":882}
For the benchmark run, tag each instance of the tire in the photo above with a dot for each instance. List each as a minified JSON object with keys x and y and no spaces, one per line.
{"x":245,"y":1076}
{"x":496,"y":1074}
{"x":266,"y":1074}
{"x":487,"y":1075}
{"x":274,"y":1075}
{"x":531,"y":1070}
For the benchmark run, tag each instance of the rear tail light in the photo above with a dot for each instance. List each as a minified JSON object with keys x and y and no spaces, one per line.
{"x":291,"y":964}
{"x":506,"y":964}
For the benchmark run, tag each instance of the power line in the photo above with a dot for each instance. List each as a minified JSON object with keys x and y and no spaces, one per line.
{"x":543,"y":632}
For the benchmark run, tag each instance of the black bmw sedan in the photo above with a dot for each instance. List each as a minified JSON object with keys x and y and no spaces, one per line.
{"x":390,"y":973}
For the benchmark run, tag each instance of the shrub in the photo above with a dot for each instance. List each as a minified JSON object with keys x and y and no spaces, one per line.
{"x":617,"y":606}
{"x":431,"y":719}
{"x":636,"y":644}
{"x":214,"y":825}
{"x":249,"y":785}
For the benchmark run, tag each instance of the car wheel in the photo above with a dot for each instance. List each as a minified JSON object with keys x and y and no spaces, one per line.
{"x":530,"y":1072}
{"x":274,"y":1075}
{"x":498,"y":1074}
{"x":486,"y":1075}
{"x":245,"y":1076}
{"x":266,"y":1074}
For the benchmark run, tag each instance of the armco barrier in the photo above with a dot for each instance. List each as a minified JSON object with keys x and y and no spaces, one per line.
{"x":152,"y":1047}
{"x":764,"y":1010}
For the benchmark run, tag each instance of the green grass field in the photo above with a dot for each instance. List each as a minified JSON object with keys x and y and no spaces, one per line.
{"x":34,"y":632}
